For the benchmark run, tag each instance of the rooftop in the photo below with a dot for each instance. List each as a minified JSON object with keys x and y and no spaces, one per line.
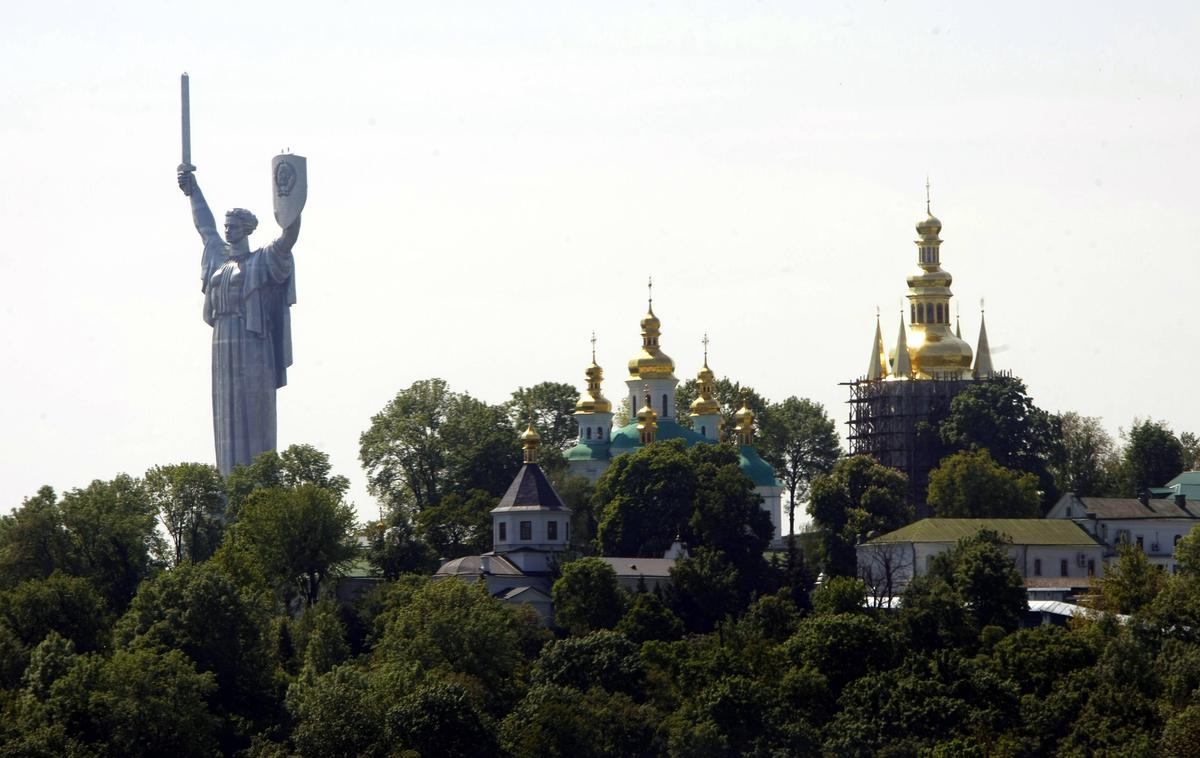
{"x":1022,"y":531}
{"x":530,"y":489}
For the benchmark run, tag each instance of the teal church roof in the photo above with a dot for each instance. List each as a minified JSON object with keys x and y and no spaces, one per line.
{"x":626,"y":440}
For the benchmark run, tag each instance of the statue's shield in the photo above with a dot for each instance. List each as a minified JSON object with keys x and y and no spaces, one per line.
{"x":289,"y":184}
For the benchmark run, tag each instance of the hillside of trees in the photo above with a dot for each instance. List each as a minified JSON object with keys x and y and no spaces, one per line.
{"x":179,"y":613}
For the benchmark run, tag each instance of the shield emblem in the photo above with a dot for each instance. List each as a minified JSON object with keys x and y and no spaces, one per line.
{"x":289,"y":184}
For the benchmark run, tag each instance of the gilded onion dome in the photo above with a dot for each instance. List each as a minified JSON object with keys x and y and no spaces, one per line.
{"x":530,"y":440}
{"x":705,"y":404}
{"x":744,"y":429}
{"x":651,"y":362}
{"x":592,"y":400}
{"x":647,"y":421}
{"x":933,"y":347}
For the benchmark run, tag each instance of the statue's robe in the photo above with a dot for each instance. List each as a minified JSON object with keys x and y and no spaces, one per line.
{"x":247,"y":302}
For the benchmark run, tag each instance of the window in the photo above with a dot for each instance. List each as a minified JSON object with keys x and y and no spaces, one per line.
{"x":503,"y":532}
{"x":704,"y":433}
{"x":526,"y":531}
{"x":1140,"y":542}
{"x":664,"y":413}
{"x":589,"y":432}
{"x":551,"y":530}
{"x":1064,"y":567}
{"x":1037,"y":566}
{"x":1177,"y":536}
{"x":913,"y":318}
{"x":1091,"y":566}
{"x":599,"y":432}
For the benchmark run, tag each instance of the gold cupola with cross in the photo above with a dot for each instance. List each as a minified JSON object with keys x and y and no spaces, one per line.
{"x":934,"y":350}
{"x":705,"y":411}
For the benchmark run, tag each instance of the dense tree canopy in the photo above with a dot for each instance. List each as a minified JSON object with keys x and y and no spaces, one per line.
{"x":970,"y":484}
{"x":1089,"y":465}
{"x":857,"y":498}
{"x":800,"y":441}
{"x":190,"y":498}
{"x":1153,"y":456}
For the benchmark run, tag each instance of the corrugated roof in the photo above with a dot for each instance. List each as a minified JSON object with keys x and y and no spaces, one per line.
{"x":1022,"y":531}
{"x":1132,"y":508}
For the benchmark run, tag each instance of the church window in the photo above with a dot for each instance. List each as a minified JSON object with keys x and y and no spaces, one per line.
{"x":503,"y":527}
{"x":664,"y":404}
{"x":913,"y":319}
{"x":589,"y":432}
{"x":526,"y":531}
{"x":551,"y":531}
{"x":703,"y":431}
{"x":1063,"y":566}
{"x":939,"y":313}
{"x":920,"y":313}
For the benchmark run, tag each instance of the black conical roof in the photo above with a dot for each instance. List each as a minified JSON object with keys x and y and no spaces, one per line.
{"x":531,"y":489}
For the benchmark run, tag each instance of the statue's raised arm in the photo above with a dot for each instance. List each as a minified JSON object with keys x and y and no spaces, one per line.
{"x":202,"y":215}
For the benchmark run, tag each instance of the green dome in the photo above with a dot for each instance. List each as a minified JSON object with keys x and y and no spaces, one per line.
{"x":753,"y":466}
{"x":626,"y":439}
{"x":582,"y":452}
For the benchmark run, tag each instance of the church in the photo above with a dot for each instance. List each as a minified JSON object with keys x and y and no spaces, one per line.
{"x":651,"y":386}
{"x":905,"y":391}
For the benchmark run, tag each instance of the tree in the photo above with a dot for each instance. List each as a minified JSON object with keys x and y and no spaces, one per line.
{"x":34,"y":541}
{"x":603,"y":659}
{"x":840,"y":594}
{"x":1131,"y":583}
{"x":1191,"y":450}
{"x":1187,"y":553}
{"x":1153,"y":455}
{"x":705,"y":588}
{"x":552,"y":406}
{"x":648,"y":618}
{"x":647,"y":497}
{"x":842,"y":646}
{"x":999,"y":416}
{"x":730,"y":395}
{"x":1089,"y":465}
{"x":429,"y":441}
{"x":801,"y":442}
{"x":858,"y":497}
{"x":587,"y":597}
{"x":295,"y":537}
{"x":112,"y":537}
{"x":198,"y":610}
{"x":190,"y":499}
{"x":460,"y":524}
{"x":67,"y":605}
{"x":561,"y":721}
{"x":970,"y":484}
{"x":440,"y":718}
{"x":298,"y":464}
{"x":394,"y":547}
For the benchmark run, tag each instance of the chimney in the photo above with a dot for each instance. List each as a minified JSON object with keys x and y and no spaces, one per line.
{"x":1144,"y":496}
{"x":1181,"y":499}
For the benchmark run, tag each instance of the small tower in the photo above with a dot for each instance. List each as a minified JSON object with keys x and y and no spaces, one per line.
{"x":983,"y":353}
{"x":877,"y":368}
{"x":759,"y":471}
{"x":593,"y":411}
{"x":652,"y":370}
{"x":706,"y":413}
{"x":744,"y":430}
{"x":902,"y":364}
{"x":531,"y":525}
{"x":647,"y":422}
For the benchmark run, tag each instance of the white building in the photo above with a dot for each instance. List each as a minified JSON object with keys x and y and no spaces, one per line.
{"x":1045,"y":552}
{"x":1154,"y":525}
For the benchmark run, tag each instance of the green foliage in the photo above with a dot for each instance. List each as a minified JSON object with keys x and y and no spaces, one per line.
{"x":840,"y":594}
{"x":459,"y":524}
{"x":1089,"y":465}
{"x":296,"y":466}
{"x":587,"y":597}
{"x":429,"y":441}
{"x":647,"y":497}
{"x":561,"y":722}
{"x":324,"y":642}
{"x":1187,"y":553}
{"x":336,"y":714}
{"x":395,"y":548}
{"x":64,"y":604}
{"x":34,"y":542}
{"x":552,"y":406}
{"x":771,"y":618}
{"x":842,"y":646}
{"x":800,"y":441}
{"x":998,"y":416}
{"x":602,"y":659}
{"x":293,"y":538}
{"x":441,"y":718}
{"x":730,"y":395}
{"x":190,"y":500}
{"x":973,"y":586}
{"x":1131,"y":583}
{"x":857,"y":498}
{"x":970,"y":484}
{"x":705,"y":589}
{"x":648,"y":618}
{"x":1153,"y":456}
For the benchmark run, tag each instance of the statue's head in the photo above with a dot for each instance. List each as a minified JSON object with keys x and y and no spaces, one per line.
{"x":239,"y":223}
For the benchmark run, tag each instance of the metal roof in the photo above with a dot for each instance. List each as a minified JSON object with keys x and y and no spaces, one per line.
{"x":640,"y":566}
{"x":530,"y":489}
{"x":1022,"y":531}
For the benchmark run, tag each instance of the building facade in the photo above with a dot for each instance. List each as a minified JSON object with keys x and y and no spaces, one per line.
{"x":1155,"y":525}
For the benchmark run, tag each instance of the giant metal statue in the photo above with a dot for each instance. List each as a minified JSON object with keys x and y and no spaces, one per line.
{"x":247,"y":297}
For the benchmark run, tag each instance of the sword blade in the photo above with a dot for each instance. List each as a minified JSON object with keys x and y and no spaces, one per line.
{"x":185,"y":101}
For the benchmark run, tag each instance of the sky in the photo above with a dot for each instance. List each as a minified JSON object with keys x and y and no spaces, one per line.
{"x":489,"y":183}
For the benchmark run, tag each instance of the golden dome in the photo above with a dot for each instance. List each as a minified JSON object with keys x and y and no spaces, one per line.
{"x":530,"y":440}
{"x":744,"y":428}
{"x":592,"y":400}
{"x":651,"y":362}
{"x":705,"y":404}
{"x":935,"y":351}
{"x":930,"y":226}
{"x":647,"y":422}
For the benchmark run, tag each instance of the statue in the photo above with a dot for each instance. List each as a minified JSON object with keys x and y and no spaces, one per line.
{"x":247,"y":298}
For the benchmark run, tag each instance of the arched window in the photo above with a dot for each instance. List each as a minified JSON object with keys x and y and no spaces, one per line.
{"x":599,"y":432}
{"x":913,"y":319}
{"x":703,"y":432}
{"x":920,"y":313}
{"x":589,"y":432}
{"x":664,"y":411}
{"x":939,"y":313}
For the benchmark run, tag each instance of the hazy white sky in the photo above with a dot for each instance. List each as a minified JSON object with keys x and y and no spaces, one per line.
{"x":491,"y":182}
